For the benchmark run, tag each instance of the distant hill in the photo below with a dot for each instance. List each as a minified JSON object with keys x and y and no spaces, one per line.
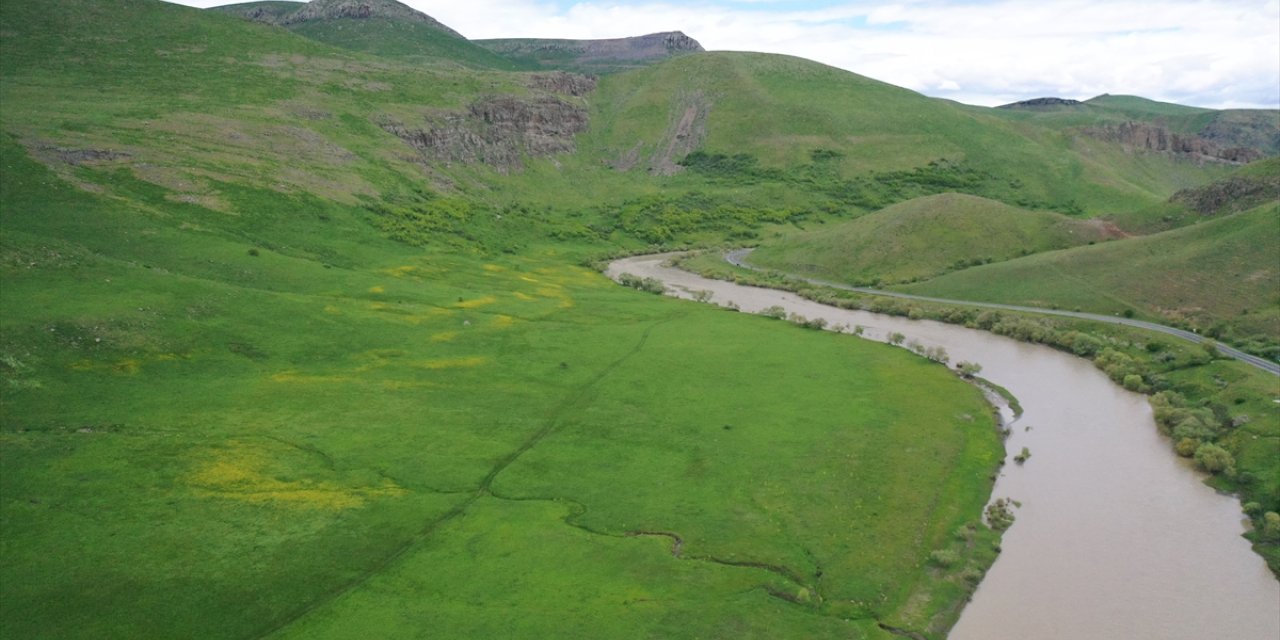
{"x":923,"y":238}
{"x":594,"y":56}
{"x":1222,"y":272}
{"x":380,"y":27}
{"x":1230,"y":135}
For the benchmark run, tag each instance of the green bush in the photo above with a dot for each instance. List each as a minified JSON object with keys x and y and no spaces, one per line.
{"x":1213,"y":458}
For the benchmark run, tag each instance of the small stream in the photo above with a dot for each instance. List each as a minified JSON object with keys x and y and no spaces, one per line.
{"x":1117,"y":538}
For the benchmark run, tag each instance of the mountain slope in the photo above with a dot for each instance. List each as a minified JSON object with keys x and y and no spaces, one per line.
{"x":593,"y":56}
{"x":781,"y":110}
{"x":1235,"y":135}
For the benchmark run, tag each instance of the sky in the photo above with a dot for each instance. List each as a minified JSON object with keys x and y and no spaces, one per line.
{"x":1209,"y":53}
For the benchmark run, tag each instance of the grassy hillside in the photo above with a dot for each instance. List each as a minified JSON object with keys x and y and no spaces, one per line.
{"x":924,"y":238}
{"x":400,"y":39}
{"x":593,"y":56}
{"x":233,"y":404}
{"x":1221,"y":272}
{"x":796,"y":128}
{"x":1244,"y":188}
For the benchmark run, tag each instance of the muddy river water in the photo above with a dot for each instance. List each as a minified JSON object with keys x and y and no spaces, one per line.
{"x":1116,"y":538}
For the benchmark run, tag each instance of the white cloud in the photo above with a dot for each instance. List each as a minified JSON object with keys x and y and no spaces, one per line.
{"x":1217,"y":53}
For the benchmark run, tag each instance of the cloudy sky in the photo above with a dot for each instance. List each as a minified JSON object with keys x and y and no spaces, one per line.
{"x":1212,"y":53}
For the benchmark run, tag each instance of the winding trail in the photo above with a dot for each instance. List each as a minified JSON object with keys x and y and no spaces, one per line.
{"x":738,"y":258}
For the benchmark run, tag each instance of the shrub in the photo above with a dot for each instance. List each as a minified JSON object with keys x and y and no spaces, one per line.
{"x":1186,"y":447}
{"x":1023,"y":456}
{"x":776,"y":312}
{"x":1213,"y":458}
{"x":652,"y":285}
{"x":968,"y":369}
{"x":1271,"y":526}
{"x":944,"y":558}
{"x":896,"y":338}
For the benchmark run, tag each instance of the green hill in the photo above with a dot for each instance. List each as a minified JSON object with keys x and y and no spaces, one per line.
{"x":924,"y":238}
{"x":593,"y":56}
{"x":1221,"y":276}
{"x":1244,"y":188}
{"x":380,"y":27}
{"x":779,"y":111}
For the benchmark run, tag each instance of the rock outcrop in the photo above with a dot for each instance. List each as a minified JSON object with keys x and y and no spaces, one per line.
{"x":1237,"y":193}
{"x":500,"y":131}
{"x":1040,"y":103}
{"x":1148,"y":137}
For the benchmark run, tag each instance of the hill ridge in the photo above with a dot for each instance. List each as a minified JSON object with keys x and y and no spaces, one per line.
{"x":278,"y":13}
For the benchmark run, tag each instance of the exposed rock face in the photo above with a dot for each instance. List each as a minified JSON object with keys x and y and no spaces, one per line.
{"x":1147,"y":137}
{"x":1036,"y":103}
{"x":570,"y":84}
{"x":336,"y":10}
{"x":1250,"y":128}
{"x":1230,"y":195}
{"x":686,"y":132}
{"x":498,"y":131}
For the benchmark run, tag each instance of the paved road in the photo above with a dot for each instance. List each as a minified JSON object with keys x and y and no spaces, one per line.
{"x":738,"y":257}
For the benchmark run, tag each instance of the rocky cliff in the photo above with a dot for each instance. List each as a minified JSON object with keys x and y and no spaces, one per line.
{"x":1149,"y":137}
{"x":1040,"y":103}
{"x":501,"y":131}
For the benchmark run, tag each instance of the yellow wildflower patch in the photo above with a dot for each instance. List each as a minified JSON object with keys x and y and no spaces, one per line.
{"x":377,"y":289}
{"x":444,"y":336}
{"x":478,"y":302}
{"x":293,"y":376}
{"x":400,"y":272}
{"x":453,"y":363}
{"x":501,"y":321}
{"x":493,"y":268}
{"x":127,"y":366}
{"x":243,"y":472}
{"x":524,"y":296}
{"x":332,"y":310}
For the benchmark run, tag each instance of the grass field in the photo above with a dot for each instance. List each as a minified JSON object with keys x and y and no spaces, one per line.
{"x":220,"y":422}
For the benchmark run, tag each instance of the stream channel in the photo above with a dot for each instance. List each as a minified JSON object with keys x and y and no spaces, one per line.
{"x":1117,"y":537}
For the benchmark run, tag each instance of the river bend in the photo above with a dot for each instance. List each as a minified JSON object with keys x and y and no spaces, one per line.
{"x":1116,"y":538}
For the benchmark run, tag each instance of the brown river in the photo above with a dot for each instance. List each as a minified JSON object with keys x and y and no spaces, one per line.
{"x":1117,"y":538}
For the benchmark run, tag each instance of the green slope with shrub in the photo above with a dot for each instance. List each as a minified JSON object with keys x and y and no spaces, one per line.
{"x":924,"y":238}
{"x":1219,"y":276}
